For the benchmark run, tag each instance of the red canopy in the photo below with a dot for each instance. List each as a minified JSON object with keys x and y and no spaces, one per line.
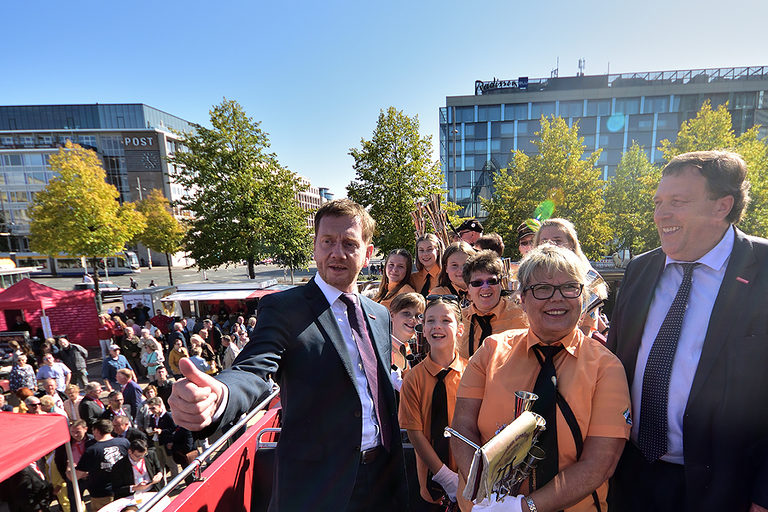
{"x":27,"y":437}
{"x":27,"y":294}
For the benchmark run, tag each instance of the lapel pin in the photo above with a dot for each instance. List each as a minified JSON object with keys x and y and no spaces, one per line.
{"x":372,"y":317}
{"x":742,"y":280}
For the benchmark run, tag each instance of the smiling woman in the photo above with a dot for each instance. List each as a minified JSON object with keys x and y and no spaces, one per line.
{"x":397,"y":277}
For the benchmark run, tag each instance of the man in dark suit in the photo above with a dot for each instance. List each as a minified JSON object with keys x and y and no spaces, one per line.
{"x":329,"y":348}
{"x":139,"y":471}
{"x":91,"y":408}
{"x":690,"y":327}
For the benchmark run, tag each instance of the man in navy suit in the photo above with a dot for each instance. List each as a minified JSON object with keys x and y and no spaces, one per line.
{"x":691,"y":329}
{"x":329,"y":349}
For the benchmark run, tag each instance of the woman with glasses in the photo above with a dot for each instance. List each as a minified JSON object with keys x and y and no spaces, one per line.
{"x":581,"y":387}
{"x":451,"y":278}
{"x":489,"y":312}
{"x":562,"y":233}
{"x":396,"y":277}
{"x":429,"y":251}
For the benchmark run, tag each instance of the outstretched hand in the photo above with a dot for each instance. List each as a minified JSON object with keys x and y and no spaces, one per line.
{"x":195,"y":398}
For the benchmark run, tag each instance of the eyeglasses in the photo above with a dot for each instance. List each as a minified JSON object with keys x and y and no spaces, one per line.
{"x":547,"y":291}
{"x":449,"y":298}
{"x":491,"y":281}
{"x":33,"y":405}
{"x":408,"y":315}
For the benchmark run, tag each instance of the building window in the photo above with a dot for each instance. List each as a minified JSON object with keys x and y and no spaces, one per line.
{"x":545,"y":109}
{"x":656,"y":104}
{"x":627,"y":106}
{"x":489,"y":113}
{"x":515,"y":111}
{"x":571,"y":109}
{"x":599,"y":107}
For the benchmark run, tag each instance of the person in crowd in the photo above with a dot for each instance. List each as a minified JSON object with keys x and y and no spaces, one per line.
{"x":52,"y":369}
{"x":141,"y":314}
{"x":74,"y":357}
{"x":250,"y":327}
{"x":97,"y":462}
{"x":690,"y":327}
{"x":490,"y":242}
{"x":231,"y":351}
{"x":562,"y":233}
{"x":134,"y":326}
{"x":214,"y":333}
{"x":144,"y":415}
{"x":428,"y":397}
{"x":22,"y":394}
{"x":152,"y":358}
{"x":489,"y":312}
{"x":161,"y":430}
{"x":396,"y":278}
{"x":105,"y":333}
{"x":525,"y":235}
{"x":130,"y":389}
{"x":114,"y":362}
{"x":72,"y":403}
{"x":470,"y":230}
{"x":4,"y":406}
{"x":116,"y":406}
{"x":27,"y":490}
{"x":33,"y":405}
{"x":451,"y":279}
{"x":406,"y":311}
{"x":138,"y":472}
{"x":79,"y":439}
{"x":206,"y":350}
{"x":153,"y":332}
{"x":198,"y":361}
{"x":48,"y":406}
{"x":22,"y":375}
{"x":146,"y":338}
{"x":121,"y":427}
{"x":17,"y":349}
{"x":119,"y":330}
{"x":91,"y":407}
{"x":121,"y":314}
{"x":429,"y":251}
{"x":304,"y":335}
{"x":21,"y":325}
{"x":240,"y":321}
{"x":574,"y":377}
{"x":177,"y":352}
{"x":48,"y":388}
{"x":163,"y":322}
{"x":164,"y":385}
{"x":177,"y":334}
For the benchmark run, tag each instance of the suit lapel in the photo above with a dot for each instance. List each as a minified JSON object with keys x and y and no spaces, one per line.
{"x":728,"y":308}
{"x":326,"y":322}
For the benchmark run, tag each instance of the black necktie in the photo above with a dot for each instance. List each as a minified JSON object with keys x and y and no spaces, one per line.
{"x":652,"y":435}
{"x":439,"y":419}
{"x":484,"y":321}
{"x":546,"y":406}
{"x":427,"y":285}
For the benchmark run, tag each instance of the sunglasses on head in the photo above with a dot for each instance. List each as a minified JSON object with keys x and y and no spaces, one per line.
{"x":449,"y":298}
{"x":491,"y":281}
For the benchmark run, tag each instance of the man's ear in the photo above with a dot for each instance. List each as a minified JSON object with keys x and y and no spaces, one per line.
{"x":723,"y":206}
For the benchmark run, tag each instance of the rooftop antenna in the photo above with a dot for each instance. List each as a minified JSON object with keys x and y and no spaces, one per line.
{"x":582,"y":65}
{"x":555,"y":72}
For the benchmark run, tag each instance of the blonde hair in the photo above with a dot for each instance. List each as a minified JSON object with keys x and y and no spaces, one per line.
{"x":550,"y":259}
{"x":436,"y":243}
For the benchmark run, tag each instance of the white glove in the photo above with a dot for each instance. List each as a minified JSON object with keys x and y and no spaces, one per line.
{"x":510,"y":504}
{"x":448,"y":480}
{"x":396,"y":377}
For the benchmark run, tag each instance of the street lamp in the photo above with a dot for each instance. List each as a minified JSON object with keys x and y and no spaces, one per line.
{"x":141,"y":197}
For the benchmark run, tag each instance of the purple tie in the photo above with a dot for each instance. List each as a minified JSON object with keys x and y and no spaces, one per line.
{"x":365,"y":347}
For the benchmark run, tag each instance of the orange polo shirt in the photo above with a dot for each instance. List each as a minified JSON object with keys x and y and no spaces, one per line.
{"x":589,"y":376}
{"x":416,"y":401}
{"x":405,"y":289}
{"x":419,"y":278}
{"x":506,"y":315}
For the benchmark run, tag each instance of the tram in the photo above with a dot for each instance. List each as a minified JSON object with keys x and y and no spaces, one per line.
{"x":124,"y":262}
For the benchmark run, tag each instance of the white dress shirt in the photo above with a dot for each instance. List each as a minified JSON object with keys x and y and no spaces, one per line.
{"x":370,"y":434}
{"x":705,"y":285}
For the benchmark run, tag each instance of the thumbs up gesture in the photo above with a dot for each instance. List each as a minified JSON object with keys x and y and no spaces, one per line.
{"x":195,"y":398}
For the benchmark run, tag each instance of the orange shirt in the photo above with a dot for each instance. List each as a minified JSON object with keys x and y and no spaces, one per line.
{"x":589,"y":376}
{"x":419,"y":278}
{"x":506,"y":315}
{"x":405,"y":289}
{"x":416,"y":401}
{"x":444,"y":290}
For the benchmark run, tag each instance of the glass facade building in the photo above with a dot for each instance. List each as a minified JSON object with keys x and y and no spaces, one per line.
{"x":479,"y":132}
{"x":132,"y":140}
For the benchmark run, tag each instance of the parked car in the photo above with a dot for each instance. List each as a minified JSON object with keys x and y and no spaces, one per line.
{"x":109,"y":290}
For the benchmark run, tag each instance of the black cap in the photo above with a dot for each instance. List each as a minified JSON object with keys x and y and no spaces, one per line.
{"x":523,"y":230}
{"x":471,"y":225}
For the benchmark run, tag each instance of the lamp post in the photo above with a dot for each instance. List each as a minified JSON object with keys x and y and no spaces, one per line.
{"x":141,"y":197}
{"x":455,"y":132}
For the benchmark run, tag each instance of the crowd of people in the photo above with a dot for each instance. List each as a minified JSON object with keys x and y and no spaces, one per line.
{"x":123,"y":436}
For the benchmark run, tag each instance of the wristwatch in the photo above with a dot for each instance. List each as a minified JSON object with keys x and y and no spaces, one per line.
{"x":531,"y":504}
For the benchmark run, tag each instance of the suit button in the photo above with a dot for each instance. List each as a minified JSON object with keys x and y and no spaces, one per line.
{"x":358,"y":414}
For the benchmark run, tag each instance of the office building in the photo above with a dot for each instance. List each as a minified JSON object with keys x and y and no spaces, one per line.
{"x":478,"y":132}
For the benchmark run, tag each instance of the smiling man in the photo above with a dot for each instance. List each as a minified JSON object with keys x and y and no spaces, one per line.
{"x":340,"y":446}
{"x":691,"y":330}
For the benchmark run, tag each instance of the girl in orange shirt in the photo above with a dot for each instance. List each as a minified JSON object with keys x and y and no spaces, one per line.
{"x":397,"y":277}
{"x":429,"y":251}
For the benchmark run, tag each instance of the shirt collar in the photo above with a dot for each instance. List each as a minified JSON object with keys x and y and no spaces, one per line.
{"x":571,"y":342}
{"x":331,"y":294}
{"x":433,"y":368}
{"x":717,"y":257}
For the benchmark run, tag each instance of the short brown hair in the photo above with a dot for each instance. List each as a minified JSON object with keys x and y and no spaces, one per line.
{"x":491,"y":242}
{"x":347,"y":208}
{"x":726,"y":174}
{"x":456,"y":247}
{"x":435,"y":241}
{"x":407,"y":300}
{"x":484,"y":261}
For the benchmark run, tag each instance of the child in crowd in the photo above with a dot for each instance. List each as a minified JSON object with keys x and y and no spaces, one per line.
{"x":406,"y":311}
{"x":198,"y":360}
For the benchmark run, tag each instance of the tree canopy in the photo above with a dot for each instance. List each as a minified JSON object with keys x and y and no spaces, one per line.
{"x":238,"y":188}
{"x":393,"y":170}
{"x":78,"y":213}
{"x":163,"y":232}
{"x":558,"y":171}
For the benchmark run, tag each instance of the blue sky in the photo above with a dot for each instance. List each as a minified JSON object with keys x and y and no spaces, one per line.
{"x":317,"y":73}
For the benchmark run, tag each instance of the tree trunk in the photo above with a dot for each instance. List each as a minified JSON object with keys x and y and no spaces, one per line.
{"x":251,"y":267}
{"x":292,"y":276}
{"x":95,"y":262}
{"x":170,"y":274}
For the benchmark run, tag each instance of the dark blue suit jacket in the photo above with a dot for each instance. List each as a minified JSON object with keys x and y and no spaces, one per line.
{"x":725,"y":426}
{"x":298,"y":341}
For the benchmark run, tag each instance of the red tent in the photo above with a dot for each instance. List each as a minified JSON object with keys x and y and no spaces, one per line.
{"x":27,"y":437}
{"x":71,"y":312}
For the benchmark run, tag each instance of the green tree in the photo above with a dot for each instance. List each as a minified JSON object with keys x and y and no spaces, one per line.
{"x":78,"y":214}
{"x":393,"y":170}
{"x":237,"y":188}
{"x":559,"y":171}
{"x":713,"y":129}
{"x":629,"y":202}
{"x":163,"y":232}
